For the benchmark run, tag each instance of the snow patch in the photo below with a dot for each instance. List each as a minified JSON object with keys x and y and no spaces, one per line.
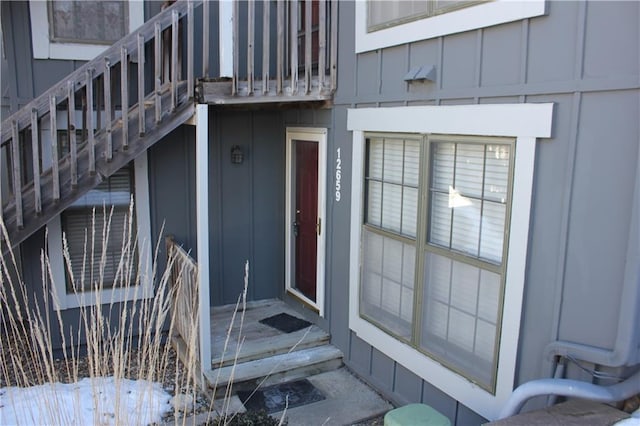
{"x":101,"y":400}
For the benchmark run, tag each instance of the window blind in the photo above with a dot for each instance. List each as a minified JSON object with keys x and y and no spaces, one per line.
{"x":95,"y":229}
{"x":468,"y":198}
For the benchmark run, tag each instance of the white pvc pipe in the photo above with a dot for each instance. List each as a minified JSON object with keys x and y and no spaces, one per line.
{"x":570,"y":388}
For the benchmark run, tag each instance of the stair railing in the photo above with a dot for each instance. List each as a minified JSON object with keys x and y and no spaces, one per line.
{"x":41,"y":179}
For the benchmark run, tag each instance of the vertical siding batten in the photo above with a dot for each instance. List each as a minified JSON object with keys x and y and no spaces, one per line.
{"x":307,"y":46}
{"x":322,"y":44}
{"x":280,"y":47}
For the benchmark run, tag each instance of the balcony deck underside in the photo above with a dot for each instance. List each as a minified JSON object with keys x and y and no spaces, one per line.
{"x":220,"y":92}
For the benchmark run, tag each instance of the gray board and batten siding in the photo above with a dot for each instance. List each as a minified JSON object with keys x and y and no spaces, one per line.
{"x":583,"y":57}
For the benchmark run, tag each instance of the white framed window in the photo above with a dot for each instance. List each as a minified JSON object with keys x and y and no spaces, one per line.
{"x":76,"y":222}
{"x":452,"y":242}
{"x":444,"y":300}
{"x":80,"y":30}
{"x":389,"y":23}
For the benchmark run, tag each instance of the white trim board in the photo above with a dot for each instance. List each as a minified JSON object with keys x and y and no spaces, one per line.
{"x":465,"y":19}
{"x":318,"y":135}
{"x":43,"y":48}
{"x":202,"y":225}
{"x":525,"y":122}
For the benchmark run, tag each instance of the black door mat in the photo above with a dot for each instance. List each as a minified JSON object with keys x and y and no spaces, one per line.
{"x":285,"y":323}
{"x":274,"y":398}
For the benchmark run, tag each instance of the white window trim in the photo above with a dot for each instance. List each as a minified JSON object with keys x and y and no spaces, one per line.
{"x":318,"y":135}
{"x":145,"y":253}
{"x":43,"y":48}
{"x":465,"y":19}
{"x":525,"y":122}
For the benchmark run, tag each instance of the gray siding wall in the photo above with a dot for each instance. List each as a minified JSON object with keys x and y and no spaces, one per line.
{"x":584,"y":57}
{"x":246,"y":205}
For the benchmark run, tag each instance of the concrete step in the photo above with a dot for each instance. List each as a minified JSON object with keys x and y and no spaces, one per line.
{"x":274,"y":369}
{"x":272,"y":345}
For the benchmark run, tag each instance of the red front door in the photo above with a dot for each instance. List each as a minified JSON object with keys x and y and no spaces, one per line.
{"x":306,"y":217}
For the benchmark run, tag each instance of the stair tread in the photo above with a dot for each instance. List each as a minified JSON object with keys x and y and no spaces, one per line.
{"x":272,"y":365}
{"x":271,"y":345}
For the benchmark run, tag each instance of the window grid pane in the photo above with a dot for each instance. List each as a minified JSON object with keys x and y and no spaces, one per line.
{"x":474,"y":180}
{"x":459,"y":318}
{"x":391,"y":181}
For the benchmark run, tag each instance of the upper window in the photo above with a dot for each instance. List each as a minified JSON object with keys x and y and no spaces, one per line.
{"x":80,"y":30}
{"x":439,"y":232}
{"x":382,"y":14}
{"x":91,"y":22}
{"x":382,"y":24}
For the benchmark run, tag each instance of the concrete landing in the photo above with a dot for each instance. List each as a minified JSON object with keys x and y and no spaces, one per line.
{"x":348,"y":401}
{"x":575,"y":412}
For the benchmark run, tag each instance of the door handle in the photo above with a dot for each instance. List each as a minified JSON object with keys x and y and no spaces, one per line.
{"x":296,"y":228}
{"x":319,"y":226}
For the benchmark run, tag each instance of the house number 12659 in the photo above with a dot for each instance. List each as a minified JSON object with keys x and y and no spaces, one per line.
{"x":338,"y":174}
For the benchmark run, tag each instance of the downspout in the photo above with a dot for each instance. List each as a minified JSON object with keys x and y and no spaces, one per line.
{"x":570,"y":388}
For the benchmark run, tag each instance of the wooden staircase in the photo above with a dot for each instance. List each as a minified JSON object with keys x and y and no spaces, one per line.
{"x":95,"y":123}
{"x":265,"y":356}
{"x":113,"y":108}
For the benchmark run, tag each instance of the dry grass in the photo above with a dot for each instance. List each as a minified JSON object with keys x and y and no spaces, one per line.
{"x":122,"y":340}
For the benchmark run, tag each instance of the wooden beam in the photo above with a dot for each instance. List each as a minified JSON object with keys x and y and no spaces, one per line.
{"x":280,"y":48}
{"x":91,"y":141}
{"x":293,"y":28}
{"x":334,"y":44}
{"x":205,"y":39}
{"x":17,"y":172}
{"x":308,"y":35}
{"x":322,"y":43}
{"x":141,"y":110}
{"x":174,"y":60}
{"x":190,"y":34}
{"x":73,"y":145}
{"x":54,"y":149}
{"x":157,"y":42}
{"x":107,"y":109}
{"x":124,"y":95}
{"x":35,"y":156}
{"x":251,"y":22}
{"x":266,"y":31}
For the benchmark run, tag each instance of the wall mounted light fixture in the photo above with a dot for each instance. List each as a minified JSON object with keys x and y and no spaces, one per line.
{"x":237,"y":156}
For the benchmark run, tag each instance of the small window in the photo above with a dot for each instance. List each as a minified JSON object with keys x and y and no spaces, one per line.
{"x":91,"y":22}
{"x":104,"y":210}
{"x":383,"y":14}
